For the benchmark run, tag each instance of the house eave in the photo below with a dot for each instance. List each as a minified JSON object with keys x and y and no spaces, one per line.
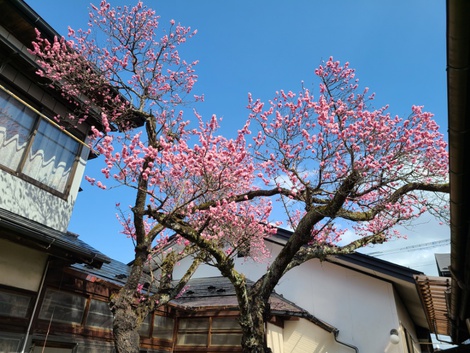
{"x":58,"y":244}
{"x":458,"y":91}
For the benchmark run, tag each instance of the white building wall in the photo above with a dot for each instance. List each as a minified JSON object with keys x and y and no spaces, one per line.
{"x":18,"y":273}
{"x":406,"y":328}
{"x":360,"y":307}
{"x":302,"y":336}
{"x":275,"y":338}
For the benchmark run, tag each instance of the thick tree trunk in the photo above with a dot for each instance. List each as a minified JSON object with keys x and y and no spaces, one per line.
{"x":127,"y":317}
{"x":126,"y":336}
{"x":253,"y":321}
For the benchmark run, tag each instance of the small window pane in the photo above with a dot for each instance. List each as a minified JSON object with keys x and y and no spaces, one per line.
{"x":14,"y":305}
{"x":99,"y":315}
{"x":192,"y":339}
{"x":16,"y":124}
{"x":163,"y":327}
{"x":193,"y":332}
{"x":62,"y":307}
{"x":9,"y":344}
{"x":226,"y":323}
{"x":144,"y":329}
{"x":226,"y":339}
{"x":194,"y":324}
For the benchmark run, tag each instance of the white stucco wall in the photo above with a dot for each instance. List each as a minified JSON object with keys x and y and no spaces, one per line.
{"x":15,"y":271}
{"x":302,"y":336}
{"x":361,"y":307}
{"x":34,"y":203}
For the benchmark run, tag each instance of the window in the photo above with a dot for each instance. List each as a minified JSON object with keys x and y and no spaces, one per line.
{"x":193,"y":332}
{"x":409,"y":342}
{"x":10,"y":343}
{"x":14,"y":304}
{"x":225,"y":331}
{"x":62,"y":307}
{"x":54,"y":347}
{"x":163,"y":327}
{"x":33,"y":148}
{"x":208,"y":332}
{"x":144,"y":329}
{"x":99,"y":315}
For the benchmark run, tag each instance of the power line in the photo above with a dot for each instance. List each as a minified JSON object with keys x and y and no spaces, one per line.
{"x":429,"y":245}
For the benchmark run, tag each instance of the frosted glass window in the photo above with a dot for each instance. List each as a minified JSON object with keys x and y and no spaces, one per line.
{"x":225,"y":332}
{"x":16,"y":124}
{"x":193,"y":332}
{"x":31,"y":146}
{"x":209,"y":332}
{"x":51,"y":157}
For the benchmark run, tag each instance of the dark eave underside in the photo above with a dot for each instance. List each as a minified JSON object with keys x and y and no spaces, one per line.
{"x":458,"y":85}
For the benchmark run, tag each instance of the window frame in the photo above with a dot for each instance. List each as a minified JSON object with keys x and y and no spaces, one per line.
{"x":23,"y":293}
{"x":12,"y":336}
{"x":88,"y":310}
{"x":149,"y":324}
{"x":208,"y":347}
{"x":59,"y":322}
{"x":32,"y":135}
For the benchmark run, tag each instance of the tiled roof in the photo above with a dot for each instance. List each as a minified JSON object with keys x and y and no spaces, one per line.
{"x":114,"y":271}
{"x":218,"y":293}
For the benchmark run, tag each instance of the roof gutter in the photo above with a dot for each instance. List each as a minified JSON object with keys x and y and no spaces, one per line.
{"x":458,"y":84}
{"x":309,"y":317}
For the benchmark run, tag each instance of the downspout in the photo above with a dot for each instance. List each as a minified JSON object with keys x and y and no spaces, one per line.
{"x":335,"y":334}
{"x":35,"y":306}
{"x":317,"y":322}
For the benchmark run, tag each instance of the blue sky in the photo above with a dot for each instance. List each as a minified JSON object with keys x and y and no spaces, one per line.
{"x":397,"y":48}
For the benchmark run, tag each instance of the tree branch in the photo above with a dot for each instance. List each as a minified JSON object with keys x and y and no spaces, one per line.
{"x":395,"y":197}
{"x":321,"y":251}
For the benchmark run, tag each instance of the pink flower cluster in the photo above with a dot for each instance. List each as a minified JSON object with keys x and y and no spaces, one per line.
{"x":311,"y":145}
